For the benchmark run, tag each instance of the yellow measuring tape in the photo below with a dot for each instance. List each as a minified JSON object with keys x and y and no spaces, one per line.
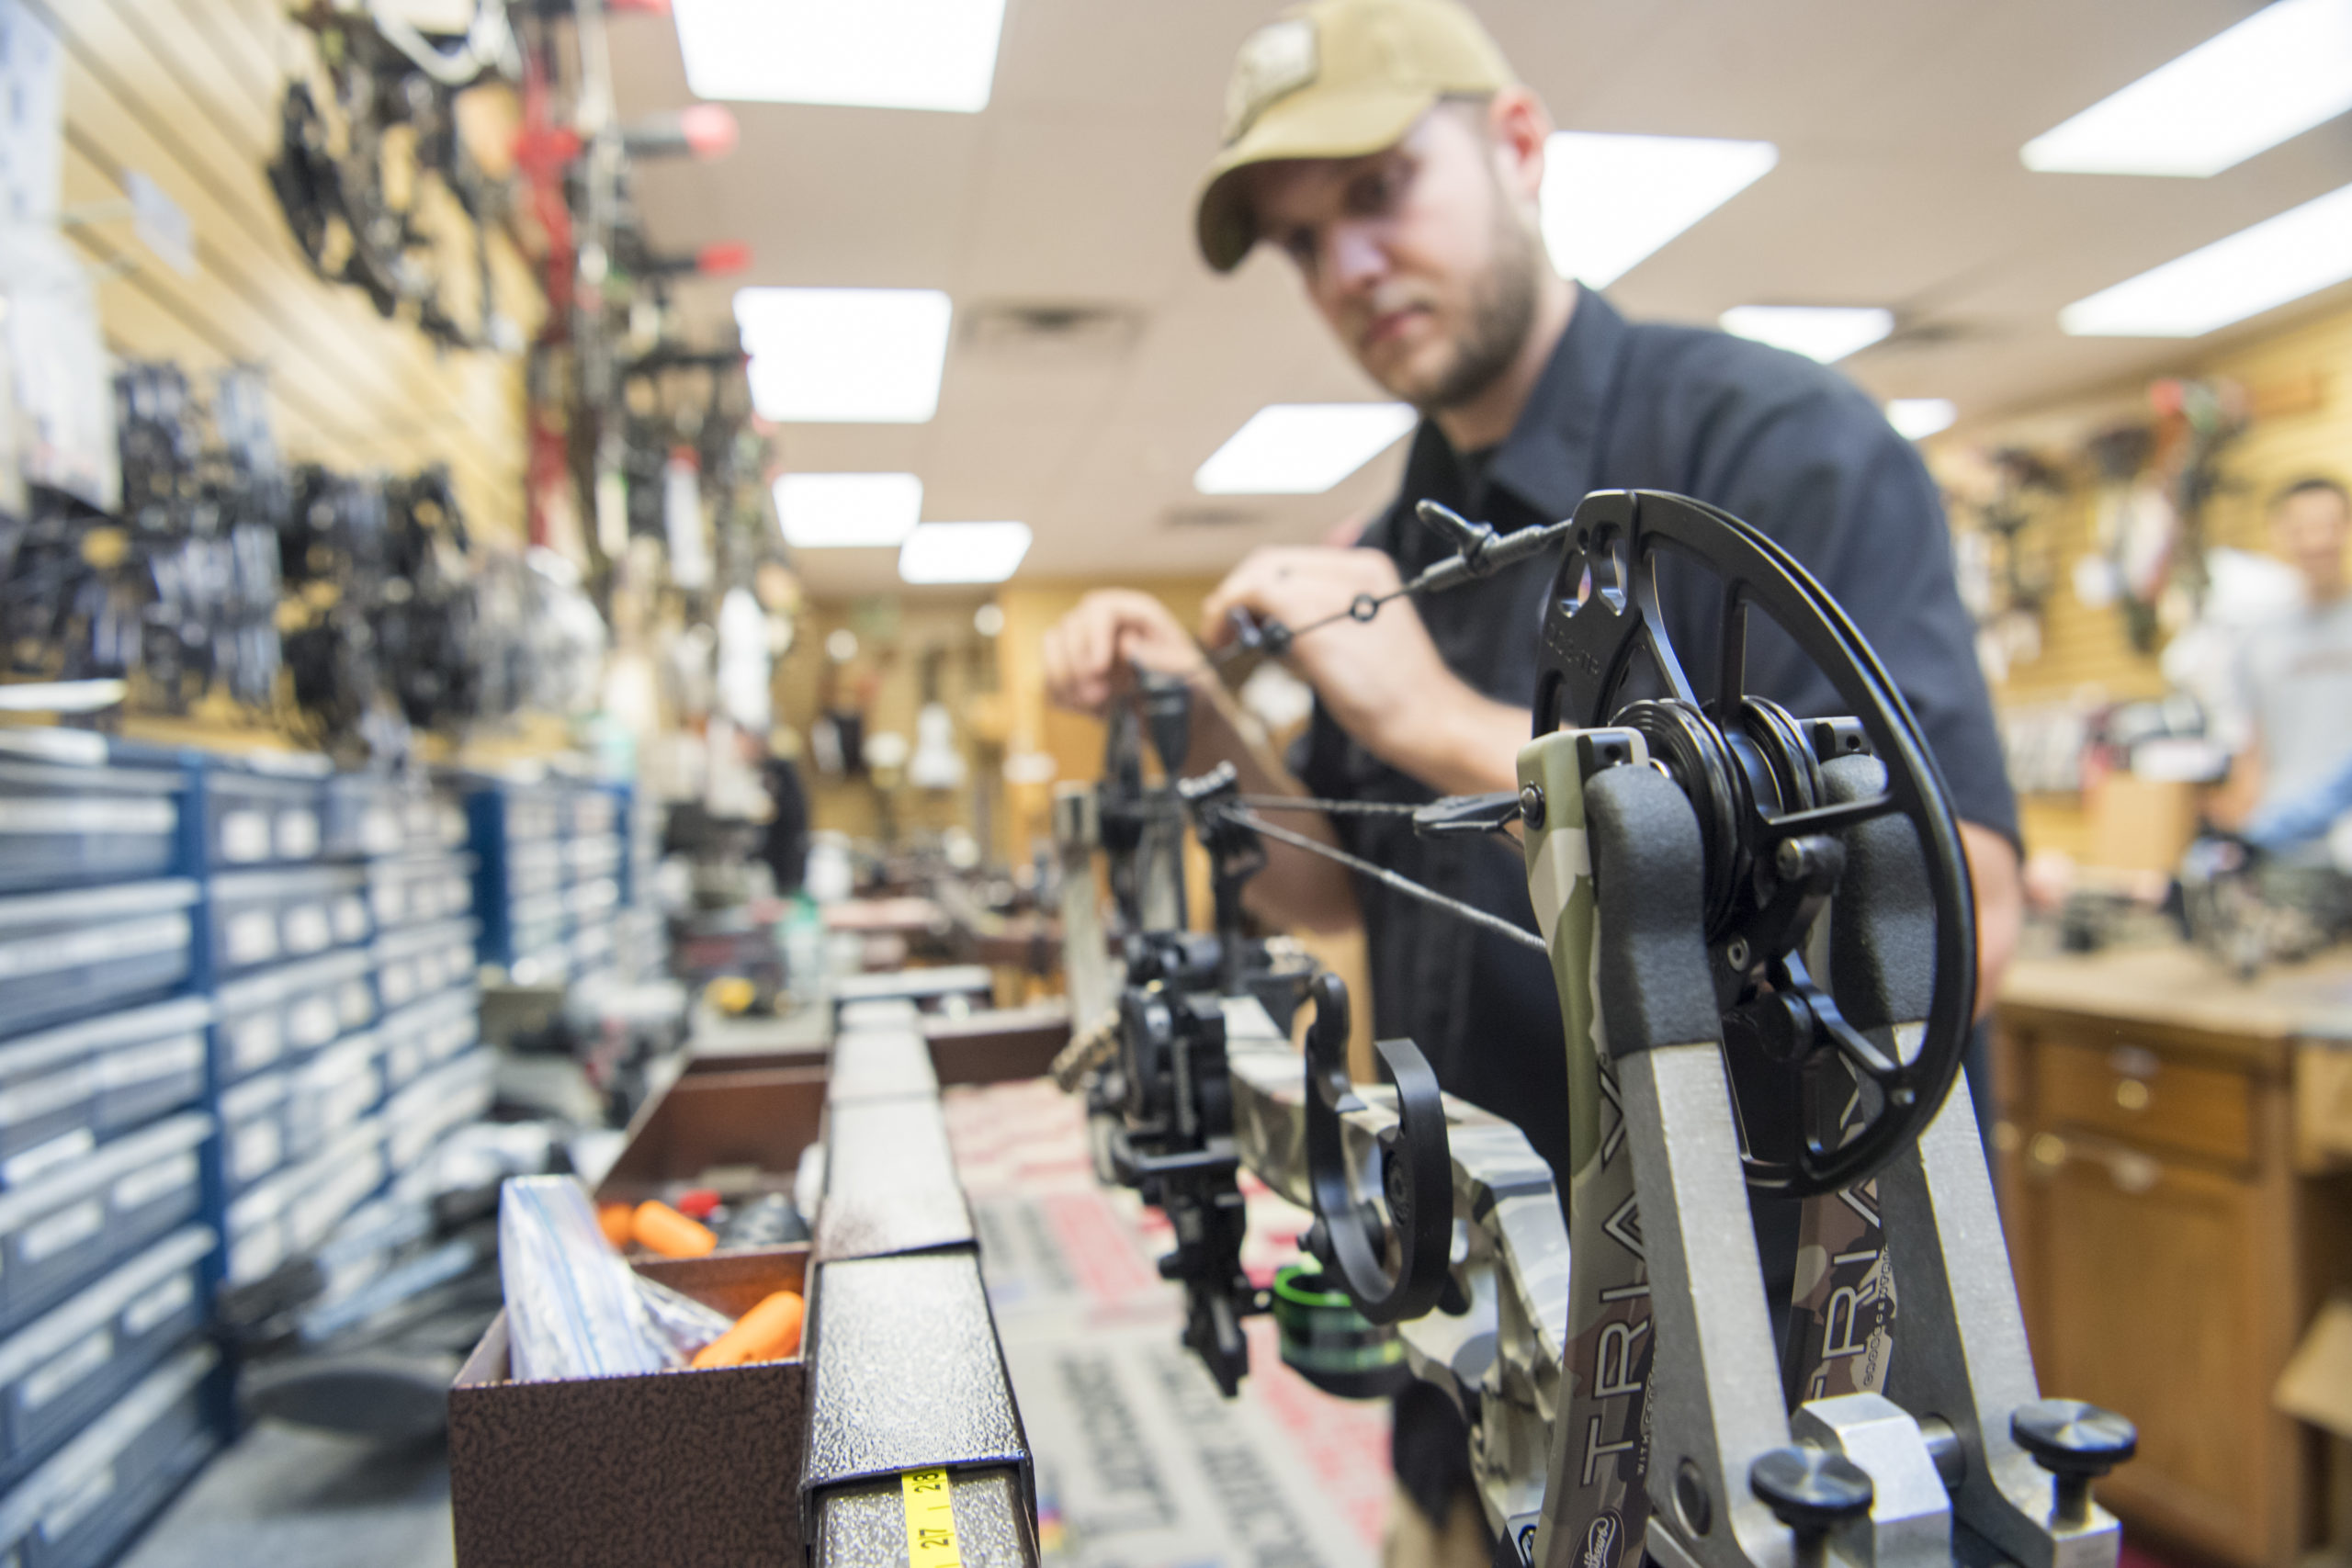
{"x":931,"y":1519}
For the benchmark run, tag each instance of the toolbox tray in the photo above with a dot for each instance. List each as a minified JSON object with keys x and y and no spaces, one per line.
{"x":67,"y":1365}
{"x":692,"y":1469}
{"x":58,"y":1231}
{"x":84,"y":1504}
{"x":100,"y":1076}
{"x":762,"y":1119}
{"x":63,"y":824}
{"x":90,"y":950}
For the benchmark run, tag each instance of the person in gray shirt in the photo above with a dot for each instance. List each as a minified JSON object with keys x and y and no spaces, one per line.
{"x":2295,"y":675}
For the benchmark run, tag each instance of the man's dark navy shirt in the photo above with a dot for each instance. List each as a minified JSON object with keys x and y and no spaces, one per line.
{"x":1776,"y":440}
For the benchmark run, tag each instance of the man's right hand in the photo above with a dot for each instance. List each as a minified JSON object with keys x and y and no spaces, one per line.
{"x":1088,"y":650}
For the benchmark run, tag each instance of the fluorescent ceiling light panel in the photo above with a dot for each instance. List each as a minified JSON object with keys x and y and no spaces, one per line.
{"x":963,"y":552}
{"x":1914,"y":419}
{"x":1826,"y":333}
{"x":822,"y":512}
{"x":845,"y":356}
{"x":2280,"y":72}
{"x":890,"y":54}
{"x":1609,"y":201}
{"x":2303,"y":249}
{"x":1301,"y":448}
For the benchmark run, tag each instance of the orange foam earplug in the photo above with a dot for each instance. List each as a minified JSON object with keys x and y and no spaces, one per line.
{"x":769,"y":1332}
{"x":660,"y":1228}
{"x":619,"y":1221}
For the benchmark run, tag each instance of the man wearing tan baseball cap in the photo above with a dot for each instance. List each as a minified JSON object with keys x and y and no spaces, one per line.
{"x":1388,"y":151}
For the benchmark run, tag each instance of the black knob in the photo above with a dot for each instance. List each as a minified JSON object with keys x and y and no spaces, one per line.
{"x":1811,"y":1490}
{"x":2076,"y":1443}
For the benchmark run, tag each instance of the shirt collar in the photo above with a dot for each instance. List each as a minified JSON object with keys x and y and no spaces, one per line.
{"x":1547,"y":461}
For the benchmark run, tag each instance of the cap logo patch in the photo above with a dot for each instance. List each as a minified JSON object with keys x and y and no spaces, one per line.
{"x":1275,"y":61}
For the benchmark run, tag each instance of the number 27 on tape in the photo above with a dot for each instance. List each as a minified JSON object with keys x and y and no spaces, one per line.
{"x":931,"y":1519}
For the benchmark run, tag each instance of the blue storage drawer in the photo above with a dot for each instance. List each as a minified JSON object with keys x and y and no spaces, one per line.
{"x":418,"y":890}
{"x":253,"y":817}
{"x":61,"y":1229}
{"x":63,"y":824}
{"x":428,"y":1032}
{"x":253,"y":1128}
{"x":287,"y":1012}
{"x":65,"y":1366}
{"x":459,"y":1092}
{"x":99,"y":1076}
{"x":284,"y":1217}
{"x":268,"y":917}
{"x":67,"y":954}
{"x":83,"y":1505}
{"x":331,"y":1093}
{"x":423,"y":960}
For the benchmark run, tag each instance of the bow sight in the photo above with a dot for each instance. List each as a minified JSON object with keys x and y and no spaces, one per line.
{"x":1761,"y":931}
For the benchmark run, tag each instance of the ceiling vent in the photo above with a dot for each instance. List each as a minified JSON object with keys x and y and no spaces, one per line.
{"x":1051,"y":331}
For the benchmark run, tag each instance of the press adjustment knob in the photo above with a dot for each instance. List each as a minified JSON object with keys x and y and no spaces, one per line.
{"x":1812,"y":1491}
{"x":2076,"y":1443}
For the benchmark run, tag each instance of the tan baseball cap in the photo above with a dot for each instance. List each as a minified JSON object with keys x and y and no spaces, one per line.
{"x":1336,"y":79}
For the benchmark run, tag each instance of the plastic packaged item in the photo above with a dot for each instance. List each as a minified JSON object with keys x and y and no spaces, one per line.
{"x":100,"y":1074}
{"x":85,"y":1502}
{"x":67,"y":954}
{"x":60,"y":825}
{"x":573,"y":1308}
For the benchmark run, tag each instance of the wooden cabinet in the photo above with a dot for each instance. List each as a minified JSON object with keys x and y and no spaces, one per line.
{"x":2169,"y":1252}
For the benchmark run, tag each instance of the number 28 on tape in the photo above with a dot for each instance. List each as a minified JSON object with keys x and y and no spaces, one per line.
{"x":931,"y":1519}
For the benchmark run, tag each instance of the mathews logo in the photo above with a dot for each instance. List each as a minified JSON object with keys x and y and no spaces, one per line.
{"x":1600,"y":1541}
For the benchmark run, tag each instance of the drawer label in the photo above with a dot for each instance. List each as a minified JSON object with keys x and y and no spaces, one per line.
{"x":92,"y":816}
{"x":298,"y":835}
{"x":313,"y":1022}
{"x":29,"y":1101}
{"x":78,"y":1504}
{"x":254,"y":1149}
{"x":145,"y":1064}
{"x":244,"y":837}
{"x":251,"y":937}
{"x":141,"y":1188}
{"x":61,"y":1373}
{"x":159,"y":1305}
{"x":256,"y":1042}
{"x":308,"y":929}
{"x":97,"y":944}
{"x":46,"y":1238}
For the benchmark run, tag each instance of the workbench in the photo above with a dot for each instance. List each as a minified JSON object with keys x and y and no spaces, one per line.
{"x":2173,"y":1146}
